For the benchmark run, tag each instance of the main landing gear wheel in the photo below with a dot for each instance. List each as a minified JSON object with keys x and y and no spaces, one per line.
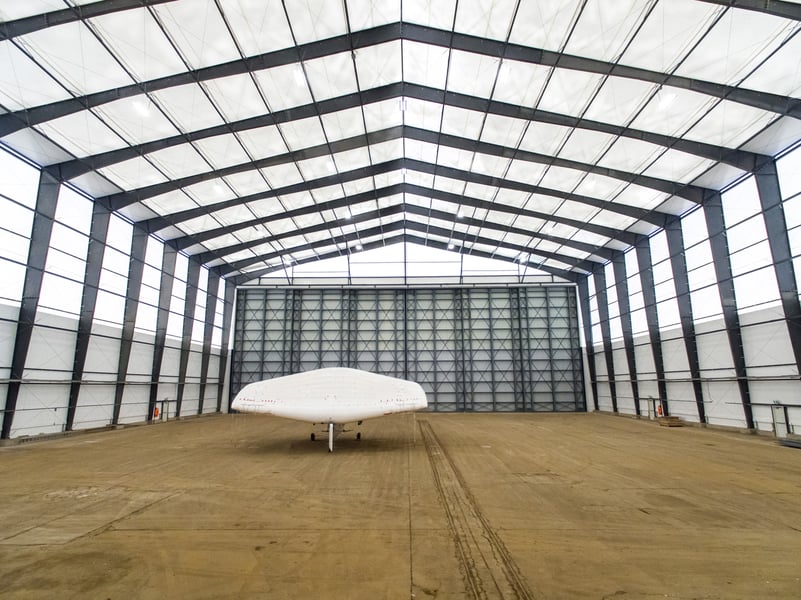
{"x":358,"y":435}
{"x":311,"y":437}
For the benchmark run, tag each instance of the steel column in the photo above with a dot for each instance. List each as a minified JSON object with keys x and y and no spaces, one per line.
{"x":716,"y":230}
{"x":190,"y":303}
{"x":163,"y":315}
{"x":228,"y":314}
{"x":46,"y":200}
{"x":678,"y":264}
{"x":601,"y":297}
{"x":133,"y":290}
{"x":584,"y":299}
{"x":651,"y":318}
{"x":770,"y":197}
{"x":208,"y":330}
{"x":622,"y":287}
{"x":91,"y":281}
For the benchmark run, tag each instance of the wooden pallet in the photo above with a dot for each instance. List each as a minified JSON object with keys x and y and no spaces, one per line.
{"x":669,"y":421}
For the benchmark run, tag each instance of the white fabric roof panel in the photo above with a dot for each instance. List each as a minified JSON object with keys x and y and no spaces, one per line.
{"x":192,"y":65}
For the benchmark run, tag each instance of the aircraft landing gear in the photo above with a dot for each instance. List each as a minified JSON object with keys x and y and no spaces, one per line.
{"x":358,"y":435}
{"x":311,"y":437}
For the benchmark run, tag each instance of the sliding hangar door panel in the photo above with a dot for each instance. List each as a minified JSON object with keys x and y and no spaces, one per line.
{"x":472,"y":349}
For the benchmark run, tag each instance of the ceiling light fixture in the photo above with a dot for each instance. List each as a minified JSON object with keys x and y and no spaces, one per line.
{"x":402,"y":104}
{"x":300,"y":76}
{"x":142,"y":107}
{"x":451,"y":246}
{"x":358,"y":247}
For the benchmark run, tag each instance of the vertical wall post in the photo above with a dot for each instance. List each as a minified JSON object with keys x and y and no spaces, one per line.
{"x":190,"y":303}
{"x":208,"y":329}
{"x":716,"y":230}
{"x":162,"y":318}
{"x":584,"y":300}
{"x":603,"y":315}
{"x":91,"y":282}
{"x":46,"y":199}
{"x":678,"y":264}
{"x":622,"y":287}
{"x":651,"y":318}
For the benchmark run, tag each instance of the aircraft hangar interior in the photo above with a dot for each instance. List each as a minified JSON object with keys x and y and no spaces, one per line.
{"x":571,"y":222}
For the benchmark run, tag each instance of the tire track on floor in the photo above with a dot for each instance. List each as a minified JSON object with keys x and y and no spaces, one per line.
{"x":488,"y":568}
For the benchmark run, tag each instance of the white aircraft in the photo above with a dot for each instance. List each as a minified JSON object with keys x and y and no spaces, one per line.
{"x":333,"y":396}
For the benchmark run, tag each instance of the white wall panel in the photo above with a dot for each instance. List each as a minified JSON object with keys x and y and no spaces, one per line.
{"x":50,"y":355}
{"x":674,"y":356}
{"x":102,"y":358}
{"x":722,"y":403}
{"x":95,"y":406}
{"x":604,"y":396}
{"x":681,"y":400}
{"x":714,"y":351}
{"x":768,"y":344}
{"x":41,"y":408}
{"x":134,"y":406}
{"x":141,"y":361}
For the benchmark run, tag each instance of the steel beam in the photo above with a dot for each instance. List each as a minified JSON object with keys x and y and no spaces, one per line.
{"x":622,"y":288}
{"x":654,"y":334}
{"x":208,"y":330}
{"x":777,"y":8}
{"x":91,"y":282}
{"x":770,"y":198}
{"x":716,"y":229}
{"x":163,"y":315}
{"x":678,"y":263}
{"x":228,"y":305}
{"x":46,"y":200}
{"x":602,"y":298}
{"x":584,"y":300}
{"x":190,"y":303}
{"x":133,"y":290}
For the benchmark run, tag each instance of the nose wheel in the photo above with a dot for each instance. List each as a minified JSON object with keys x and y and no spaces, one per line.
{"x":312,"y":438}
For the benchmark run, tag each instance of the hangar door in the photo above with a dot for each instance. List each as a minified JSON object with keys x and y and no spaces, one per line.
{"x":472,"y":349}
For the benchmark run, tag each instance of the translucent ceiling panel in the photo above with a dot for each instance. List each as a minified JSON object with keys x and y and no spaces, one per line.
{"x":72,"y":53}
{"x":331,"y":76}
{"x":630,"y":155}
{"x":730,"y":124}
{"x":424,"y":64}
{"x":139,"y":43}
{"x":382,"y":115}
{"x":507,"y":197}
{"x":586,"y":146}
{"x":260,"y":26}
{"x":236,"y":96}
{"x":343,"y":124}
{"x":672,"y":111}
{"x":781,"y":73}
{"x":284,"y":87}
{"x":568,"y":92}
{"x":562,"y":179}
{"x":421,"y":151}
{"x":249,"y":182}
{"x":739,"y":41}
{"x":485,"y":18}
{"x":316,"y":19}
{"x":23,"y":83}
{"x":544,"y":138}
{"x":482,"y":192}
{"x":132,"y":174}
{"x":199,"y":32}
{"x":364,"y":14}
{"x":610,"y":219}
{"x":304,"y":133}
{"x":543,"y":23}
{"x":422,"y":114}
{"x":546,"y":204}
{"x":10,"y":11}
{"x":454,"y":157}
{"x":179,"y":161}
{"x":171,"y":202}
{"x":599,"y":186}
{"x":526,"y":172}
{"x":222,"y":151}
{"x":452,"y":186}
{"x":263,"y":142}
{"x":495,"y":166}
{"x":503,"y":131}
{"x":642,"y":197}
{"x":472,"y":74}
{"x":386,"y":151}
{"x":352,"y":159}
{"x":189,"y":107}
{"x":282,"y":175}
{"x":604,"y":27}
{"x":378,"y":65}
{"x":461,"y":122}
{"x":678,"y":166}
{"x":314,"y":168}
{"x":137,"y":119}
{"x":327,"y":193}
{"x":671,"y":29}
{"x":82,"y":134}
{"x":619,"y":100}
{"x":431,"y":13}
{"x":235,"y":214}
{"x":209,"y":192}
{"x":520,"y":83}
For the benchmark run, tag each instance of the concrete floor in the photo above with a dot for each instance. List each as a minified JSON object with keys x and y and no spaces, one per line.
{"x":441,"y":506}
